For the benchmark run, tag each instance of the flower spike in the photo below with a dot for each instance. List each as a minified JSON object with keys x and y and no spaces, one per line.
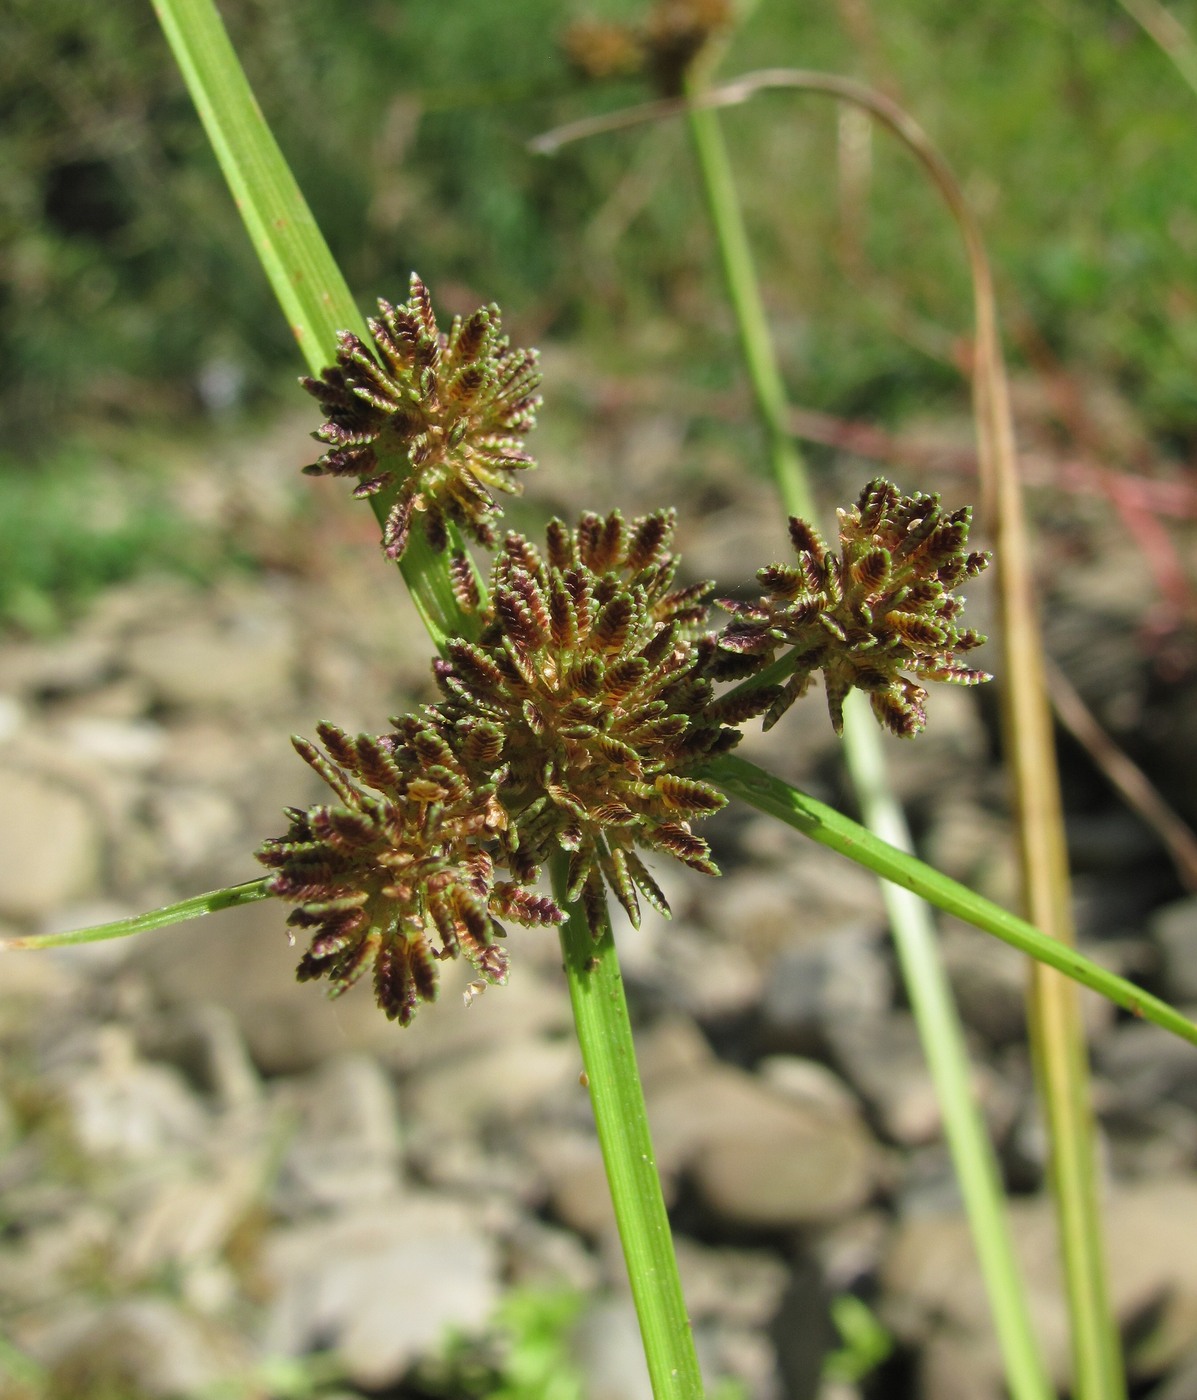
{"x":590,"y":672}
{"x":870,"y":617}
{"x":395,"y":875}
{"x":444,"y":414}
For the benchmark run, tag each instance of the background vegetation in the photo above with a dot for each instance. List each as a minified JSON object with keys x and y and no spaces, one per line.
{"x":1074,"y":137}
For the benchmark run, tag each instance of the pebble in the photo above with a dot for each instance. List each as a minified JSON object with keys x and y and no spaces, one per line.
{"x":50,"y":846}
{"x":146,"y":1347}
{"x":381,"y":1284}
{"x":346,"y":1145}
{"x":756,"y":1158}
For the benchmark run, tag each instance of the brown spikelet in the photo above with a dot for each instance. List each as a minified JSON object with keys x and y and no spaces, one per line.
{"x":438,"y":418}
{"x":871,"y":617}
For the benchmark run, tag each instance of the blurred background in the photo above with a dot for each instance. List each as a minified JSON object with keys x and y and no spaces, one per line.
{"x":215,"y":1184}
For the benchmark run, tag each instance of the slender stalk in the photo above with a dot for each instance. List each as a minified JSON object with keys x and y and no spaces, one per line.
{"x":609,"y":1057}
{"x":772,"y":795}
{"x":232,"y":897}
{"x":1166,"y":30}
{"x":926,"y":982}
{"x":739,"y":270}
{"x":309,"y":286}
{"x":948,"y":1060}
{"x":813,"y":818}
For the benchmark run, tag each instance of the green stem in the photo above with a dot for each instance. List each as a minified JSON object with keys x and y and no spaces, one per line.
{"x":609,"y":1057}
{"x":309,"y":286}
{"x":745,"y":294}
{"x":948,"y":1060}
{"x":231,"y":897}
{"x":839,"y":833}
{"x":926,"y":982}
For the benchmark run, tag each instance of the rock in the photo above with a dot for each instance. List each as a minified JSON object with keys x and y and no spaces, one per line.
{"x":73,"y":663}
{"x":194,"y":824}
{"x":1144,"y":1065}
{"x":741,"y":1286}
{"x":710,"y":979}
{"x":146,"y":1347}
{"x":756,"y":1158}
{"x":12,"y":717}
{"x":346,"y":1147}
{"x":935,"y":1291}
{"x":133,"y":745}
{"x":814,"y":984}
{"x":769,"y":912}
{"x":181,"y":1226}
{"x":245,"y":662}
{"x":204,"y":1042}
{"x":380,"y":1285}
{"x":1174,"y":930}
{"x":120,"y":1107}
{"x":497,"y":1084}
{"x":571,"y":1165}
{"x":882,"y":1058}
{"x":50,"y":846}
{"x":989,"y":982}
{"x":1182,"y":1383}
{"x":542,"y":1256}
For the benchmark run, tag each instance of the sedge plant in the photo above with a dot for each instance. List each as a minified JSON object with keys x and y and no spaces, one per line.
{"x":588,"y":705}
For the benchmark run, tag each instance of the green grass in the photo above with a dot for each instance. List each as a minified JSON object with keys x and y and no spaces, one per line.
{"x":76,"y":523}
{"x":1070,"y":130}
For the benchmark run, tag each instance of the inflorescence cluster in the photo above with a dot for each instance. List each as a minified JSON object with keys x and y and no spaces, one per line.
{"x":438,"y":417}
{"x":576,"y":723}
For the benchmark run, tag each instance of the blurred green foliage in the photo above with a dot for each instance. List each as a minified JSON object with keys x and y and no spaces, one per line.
{"x":127,"y":287}
{"x":79,"y":523}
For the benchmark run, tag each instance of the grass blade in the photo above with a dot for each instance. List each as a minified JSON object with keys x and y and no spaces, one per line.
{"x":231,"y":897}
{"x":309,"y":286}
{"x":830,"y":828}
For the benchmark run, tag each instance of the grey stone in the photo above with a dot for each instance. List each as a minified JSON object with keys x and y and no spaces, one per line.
{"x":205,"y":1042}
{"x":571,"y":1166}
{"x":882,"y":1058}
{"x":120,"y":1107}
{"x":381,"y":1285}
{"x":346,"y":1147}
{"x":245,"y":663}
{"x":133,"y":745}
{"x":989,"y":981}
{"x":500,"y":1083}
{"x":935,"y":1291}
{"x":740,"y":1286}
{"x":756,"y":1157}
{"x":50,"y":846}
{"x":814,"y":985}
{"x":711,"y":979}
{"x":12,"y":717}
{"x":194,"y":824}
{"x":1174,"y":929}
{"x":545,"y":1257}
{"x":72,"y":663}
{"x":609,"y":1353}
